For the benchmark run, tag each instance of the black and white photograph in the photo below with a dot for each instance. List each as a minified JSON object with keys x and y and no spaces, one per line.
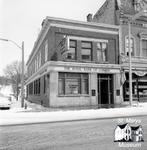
{"x":73,"y":74}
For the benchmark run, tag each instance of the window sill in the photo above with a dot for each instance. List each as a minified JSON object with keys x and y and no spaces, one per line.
{"x":81,"y":95}
{"x":102,"y":62}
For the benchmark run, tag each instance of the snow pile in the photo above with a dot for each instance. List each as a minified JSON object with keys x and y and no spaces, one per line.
{"x":9,"y":117}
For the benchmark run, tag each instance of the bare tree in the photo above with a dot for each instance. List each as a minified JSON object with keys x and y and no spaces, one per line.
{"x":13,"y":71}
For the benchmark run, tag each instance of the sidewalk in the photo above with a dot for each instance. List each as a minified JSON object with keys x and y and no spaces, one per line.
{"x":17,"y":115}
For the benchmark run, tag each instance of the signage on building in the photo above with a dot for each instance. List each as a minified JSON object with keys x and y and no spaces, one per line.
{"x":91,"y":69}
{"x":63,"y":45}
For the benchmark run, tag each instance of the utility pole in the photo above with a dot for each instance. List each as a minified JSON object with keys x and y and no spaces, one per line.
{"x":22,"y":78}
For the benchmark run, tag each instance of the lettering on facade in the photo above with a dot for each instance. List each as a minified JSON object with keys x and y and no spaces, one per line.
{"x":87,"y":69}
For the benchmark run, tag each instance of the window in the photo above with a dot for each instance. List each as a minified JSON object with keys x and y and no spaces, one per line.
{"x":37,"y":87}
{"x":30,"y":89}
{"x":46,"y":50}
{"x":102,"y":51}
{"x":127,"y":45}
{"x":39,"y":59}
{"x":35,"y":65}
{"x":73,"y":84}
{"x":86,"y":50}
{"x":71,"y":53}
{"x":45,"y":83}
{"x":144,"y":48}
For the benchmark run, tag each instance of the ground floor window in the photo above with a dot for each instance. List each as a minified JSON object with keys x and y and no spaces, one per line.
{"x":30,"y":89}
{"x":37,"y":87}
{"x":73,"y":84}
{"x":139,"y":87}
{"x":46,"y":83}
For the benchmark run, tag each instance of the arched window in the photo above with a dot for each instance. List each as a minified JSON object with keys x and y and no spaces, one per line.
{"x":143,"y":44}
{"x":127,"y":45}
{"x":144,"y":47}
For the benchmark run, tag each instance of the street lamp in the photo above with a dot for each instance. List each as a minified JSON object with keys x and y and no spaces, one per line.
{"x":142,"y":13}
{"x":22,"y":78}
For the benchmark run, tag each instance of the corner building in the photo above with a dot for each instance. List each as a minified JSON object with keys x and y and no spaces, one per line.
{"x":75,"y":64}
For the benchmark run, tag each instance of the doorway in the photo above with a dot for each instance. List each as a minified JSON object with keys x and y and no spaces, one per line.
{"x":105,"y":90}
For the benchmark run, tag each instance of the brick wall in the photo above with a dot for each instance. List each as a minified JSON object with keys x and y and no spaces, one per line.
{"x":106,"y":14}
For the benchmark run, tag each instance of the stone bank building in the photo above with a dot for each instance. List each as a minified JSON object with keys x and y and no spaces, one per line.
{"x":74,"y":64}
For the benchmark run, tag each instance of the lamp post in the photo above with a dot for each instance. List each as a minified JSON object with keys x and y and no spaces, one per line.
{"x":130,"y":63}
{"x":22,"y":76}
{"x":132,"y":18}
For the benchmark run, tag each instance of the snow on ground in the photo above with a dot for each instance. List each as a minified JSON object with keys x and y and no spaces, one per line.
{"x":18,"y":115}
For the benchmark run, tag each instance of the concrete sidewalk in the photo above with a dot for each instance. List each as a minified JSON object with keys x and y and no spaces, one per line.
{"x":13,"y":118}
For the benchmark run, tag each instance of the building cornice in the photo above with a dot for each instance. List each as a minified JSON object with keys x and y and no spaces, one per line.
{"x":83,"y":23}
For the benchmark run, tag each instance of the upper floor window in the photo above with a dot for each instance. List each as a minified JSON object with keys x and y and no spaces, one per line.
{"x":131,"y":45}
{"x":39,"y":58}
{"x":46,"y":50}
{"x":86,"y":50}
{"x":102,"y":48}
{"x":71,"y":53}
{"x":144,"y":47}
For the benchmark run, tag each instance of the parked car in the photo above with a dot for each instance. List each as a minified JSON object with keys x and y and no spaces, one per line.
{"x":5,"y":102}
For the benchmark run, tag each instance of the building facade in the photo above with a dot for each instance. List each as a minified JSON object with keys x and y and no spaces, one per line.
{"x":118,"y":12}
{"x":74,"y":64}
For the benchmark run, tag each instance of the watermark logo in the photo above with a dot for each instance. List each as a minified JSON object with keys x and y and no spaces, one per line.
{"x":127,"y":131}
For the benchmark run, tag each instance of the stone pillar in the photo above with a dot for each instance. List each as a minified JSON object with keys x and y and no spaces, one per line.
{"x":93,"y":86}
{"x":53,"y":88}
{"x":117,"y":89}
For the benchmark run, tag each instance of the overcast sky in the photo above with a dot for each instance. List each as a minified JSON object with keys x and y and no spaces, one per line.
{"x":20,"y":20}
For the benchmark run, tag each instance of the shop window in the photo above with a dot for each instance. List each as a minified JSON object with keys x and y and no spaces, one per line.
{"x":71,"y":53}
{"x":131,"y":45}
{"x":144,"y":48}
{"x":30,"y":89}
{"x":73,"y":84}
{"x":102,"y":48}
{"x":37,"y":87}
{"x":45,"y":84}
{"x":86,"y":50}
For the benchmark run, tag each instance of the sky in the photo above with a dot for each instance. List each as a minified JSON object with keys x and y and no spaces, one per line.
{"x":20,"y":20}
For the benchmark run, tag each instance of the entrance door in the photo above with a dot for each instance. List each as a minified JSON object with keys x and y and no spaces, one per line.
{"x":105,"y":90}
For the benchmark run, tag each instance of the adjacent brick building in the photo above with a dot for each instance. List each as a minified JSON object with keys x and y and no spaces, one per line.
{"x":75,"y":63}
{"x":117,"y":12}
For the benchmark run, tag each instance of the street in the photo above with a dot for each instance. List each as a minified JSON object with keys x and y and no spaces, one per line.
{"x":79,"y":135}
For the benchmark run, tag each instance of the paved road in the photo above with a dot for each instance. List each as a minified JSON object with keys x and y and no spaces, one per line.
{"x":81,"y":135}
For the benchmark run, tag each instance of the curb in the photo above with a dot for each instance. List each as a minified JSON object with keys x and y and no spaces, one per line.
{"x":27,"y":122}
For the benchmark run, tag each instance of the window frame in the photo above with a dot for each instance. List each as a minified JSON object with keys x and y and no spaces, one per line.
{"x":102,"y":51}
{"x":71,"y":46}
{"x":66,"y":79}
{"x":46,"y":51}
{"x":143,"y":39}
{"x":83,"y":48}
{"x":127,"y":46}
